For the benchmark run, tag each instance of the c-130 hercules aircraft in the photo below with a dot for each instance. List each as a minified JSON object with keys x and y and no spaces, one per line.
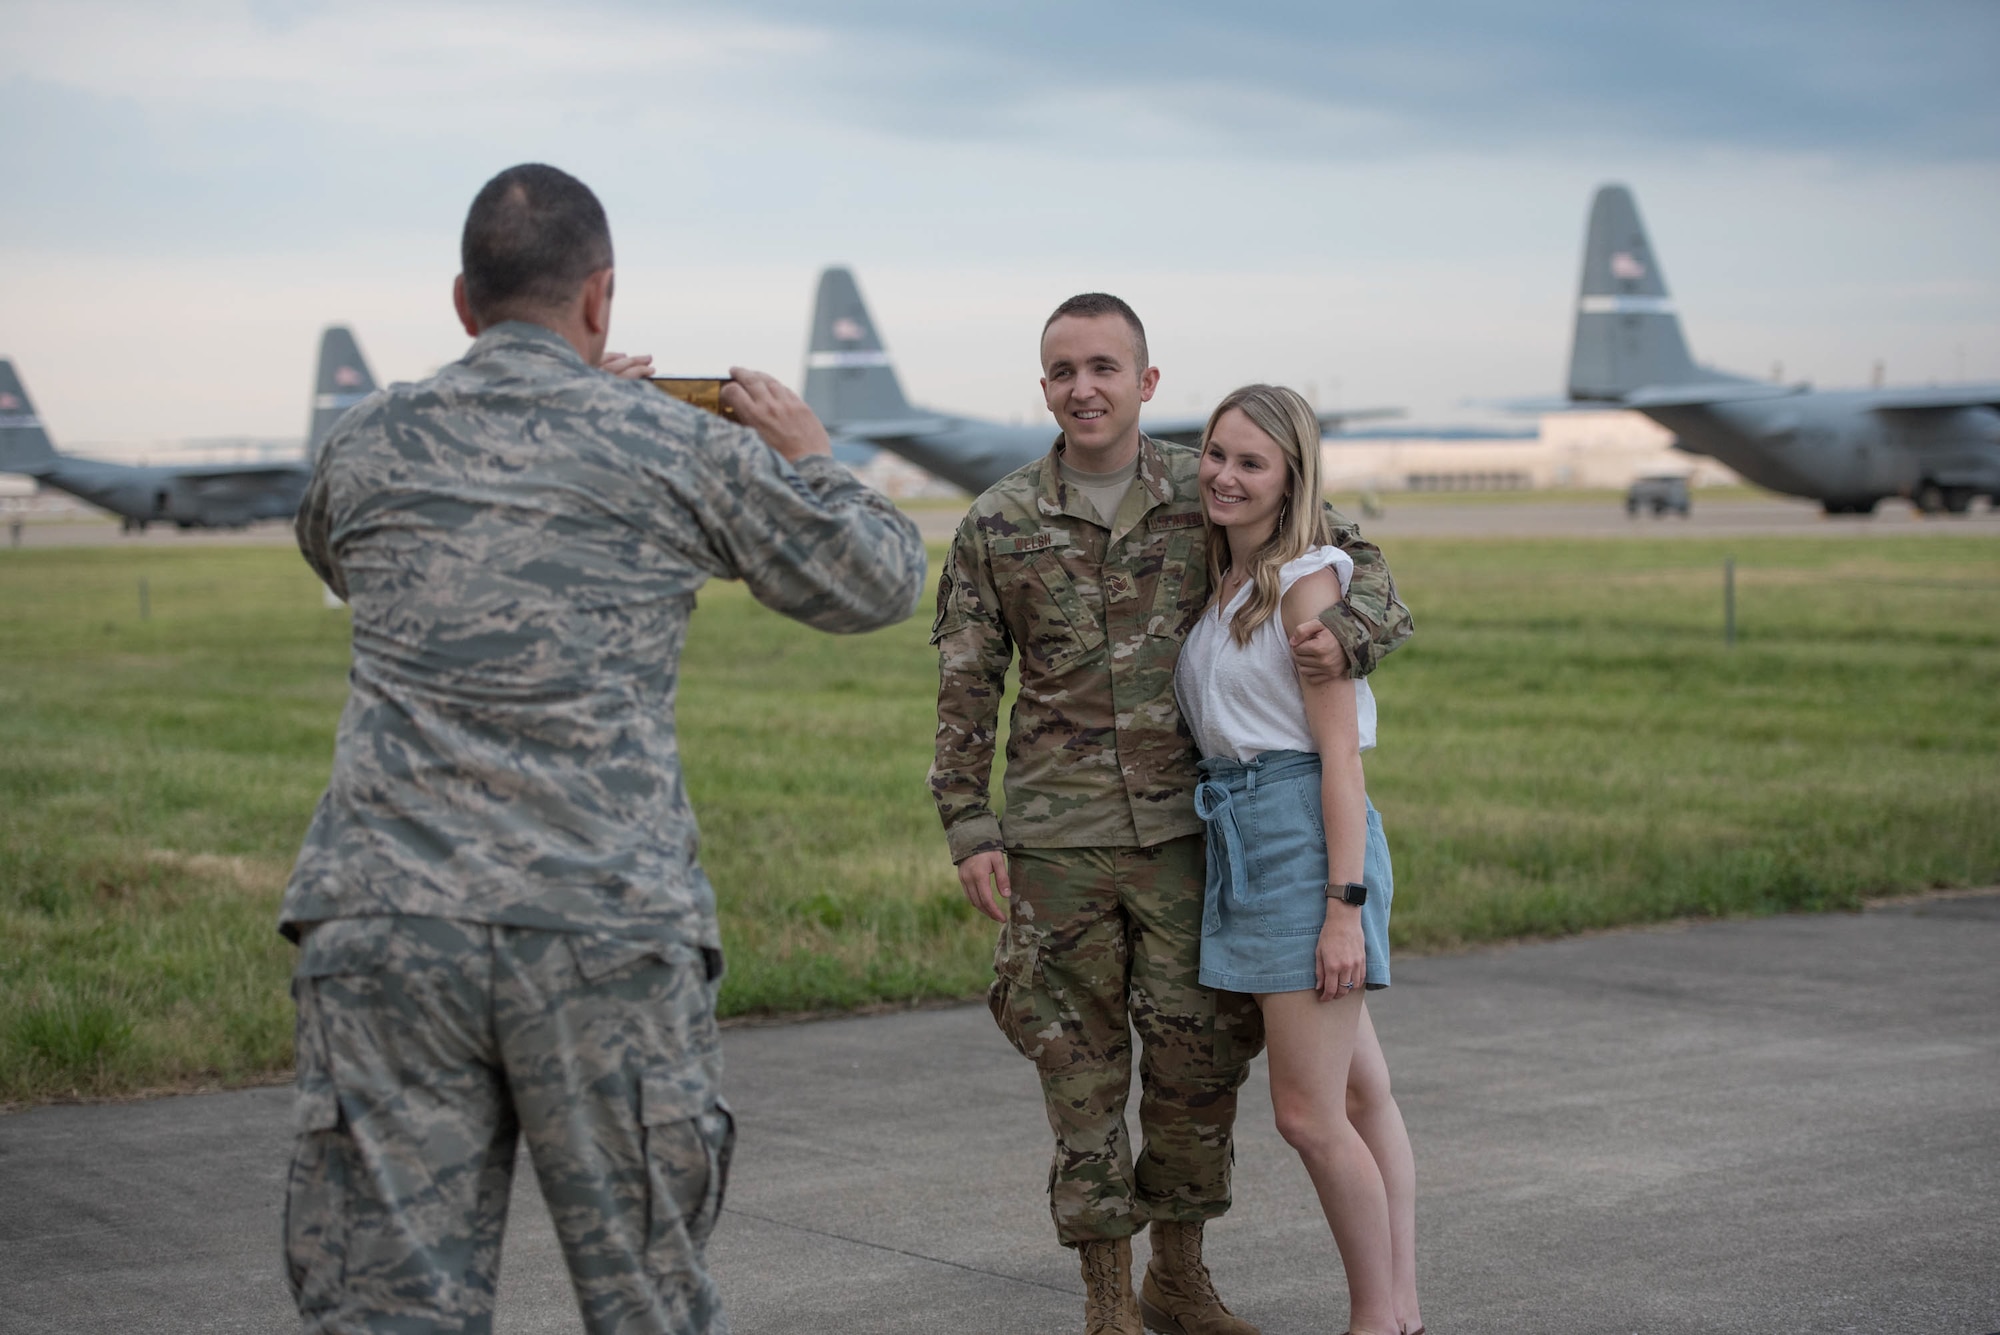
{"x":1846,"y":449}
{"x":186,"y":495}
{"x":851,"y":383}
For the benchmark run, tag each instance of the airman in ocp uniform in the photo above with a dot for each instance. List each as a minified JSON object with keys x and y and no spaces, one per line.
{"x":1088,"y":565}
{"x":503,"y":926}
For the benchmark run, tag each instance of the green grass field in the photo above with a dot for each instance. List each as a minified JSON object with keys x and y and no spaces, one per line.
{"x":1566,"y":745}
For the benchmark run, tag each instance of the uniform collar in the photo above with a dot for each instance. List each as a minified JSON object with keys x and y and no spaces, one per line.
{"x":1056,"y":496}
{"x":519,"y":336}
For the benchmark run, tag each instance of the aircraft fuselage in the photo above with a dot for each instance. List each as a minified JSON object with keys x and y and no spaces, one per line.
{"x":180,"y":496}
{"x":969,"y":453}
{"x":1841,"y":447}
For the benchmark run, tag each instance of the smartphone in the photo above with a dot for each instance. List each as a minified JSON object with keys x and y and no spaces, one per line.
{"x":701,"y":391}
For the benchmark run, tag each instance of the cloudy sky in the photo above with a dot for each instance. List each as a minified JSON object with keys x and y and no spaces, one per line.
{"x":1383,"y":204}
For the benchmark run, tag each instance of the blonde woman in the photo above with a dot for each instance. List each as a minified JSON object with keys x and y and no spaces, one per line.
{"x":1297,"y":902}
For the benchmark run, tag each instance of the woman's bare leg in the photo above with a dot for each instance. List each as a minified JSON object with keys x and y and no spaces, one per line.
{"x":1311,"y":1043}
{"x":1371,"y":1107}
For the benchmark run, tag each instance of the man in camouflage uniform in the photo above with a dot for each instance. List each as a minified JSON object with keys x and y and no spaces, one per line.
{"x":1089,"y":564}
{"x":504,"y":929}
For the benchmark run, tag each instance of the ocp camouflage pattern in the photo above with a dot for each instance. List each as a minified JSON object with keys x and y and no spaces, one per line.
{"x":1100,"y":942}
{"x":520,"y":538}
{"x":1097,"y":754}
{"x":425,"y":1045}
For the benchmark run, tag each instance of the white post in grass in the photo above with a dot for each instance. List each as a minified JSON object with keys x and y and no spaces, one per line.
{"x":1729,"y":602}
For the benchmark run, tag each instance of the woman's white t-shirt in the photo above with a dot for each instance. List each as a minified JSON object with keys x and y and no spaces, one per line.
{"x":1241,"y":700}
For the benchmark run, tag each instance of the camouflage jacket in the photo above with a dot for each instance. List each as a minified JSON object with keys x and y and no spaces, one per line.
{"x":520,"y":539}
{"x":1097,"y":755}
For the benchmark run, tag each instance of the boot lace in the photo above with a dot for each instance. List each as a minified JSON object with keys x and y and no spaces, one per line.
{"x":1104,"y":1296}
{"x":1191,"y":1275}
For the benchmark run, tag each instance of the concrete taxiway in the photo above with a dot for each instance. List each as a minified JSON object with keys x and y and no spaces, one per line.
{"x":1785,"y":1124}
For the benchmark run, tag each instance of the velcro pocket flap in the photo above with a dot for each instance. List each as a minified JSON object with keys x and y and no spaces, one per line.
{"x":345,"y":946}
{"x":598,"y":957}
{"x":1014,"y":955}
{"x":315,"y":1107}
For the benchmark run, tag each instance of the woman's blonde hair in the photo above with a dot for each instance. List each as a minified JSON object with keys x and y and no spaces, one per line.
{"x":1290,"y":422}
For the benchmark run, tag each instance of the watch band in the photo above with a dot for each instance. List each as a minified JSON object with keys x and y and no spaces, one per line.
{"x":1351,"y":892}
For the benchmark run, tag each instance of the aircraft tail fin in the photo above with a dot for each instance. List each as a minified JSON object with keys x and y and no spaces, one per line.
{"x":1627,"y":334}
{"x":849,"y":377}
{"x":341,"y":382}
{"x":24,"y":446}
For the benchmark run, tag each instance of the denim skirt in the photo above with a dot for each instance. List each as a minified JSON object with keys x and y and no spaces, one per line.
{"x":1265,"y":899}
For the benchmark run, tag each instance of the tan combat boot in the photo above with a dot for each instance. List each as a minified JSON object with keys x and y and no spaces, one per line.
{"x":1108,"y":1305}
{"x":1177,"y":1297}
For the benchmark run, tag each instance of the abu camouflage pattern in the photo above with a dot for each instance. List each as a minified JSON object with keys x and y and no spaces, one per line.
{"x":1094,"y":936}
{"x":426,"y":1046}
{"x":1097,"y":755}
{"x":520,"y":538}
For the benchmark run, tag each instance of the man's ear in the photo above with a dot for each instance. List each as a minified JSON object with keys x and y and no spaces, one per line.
{"x":1149,"y":380}
{"x":463,"y":307}
{"x":597,"y":303}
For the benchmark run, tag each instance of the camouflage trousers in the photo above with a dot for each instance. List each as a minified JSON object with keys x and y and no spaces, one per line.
{"x":1100,"y":942}
{"x":426,"y":1047}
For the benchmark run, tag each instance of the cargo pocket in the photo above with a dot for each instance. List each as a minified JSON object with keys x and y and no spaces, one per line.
{"x":690,"y":1136}
{"x":1011,"y":996}
{"x":319,"y":1181}
{"x":1238,"y":1034}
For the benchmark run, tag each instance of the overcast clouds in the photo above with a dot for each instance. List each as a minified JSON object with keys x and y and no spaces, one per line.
{"x":1385,"y":200}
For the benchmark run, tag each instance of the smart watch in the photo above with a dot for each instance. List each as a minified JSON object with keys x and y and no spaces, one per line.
{"x":1353,"y":892}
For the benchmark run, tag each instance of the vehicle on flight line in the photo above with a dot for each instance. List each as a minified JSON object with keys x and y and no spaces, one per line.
{"x":1846,"y":449}
{"x":186,"y":495}
{"x":852,"y":385}
{"x":1659,"y":493}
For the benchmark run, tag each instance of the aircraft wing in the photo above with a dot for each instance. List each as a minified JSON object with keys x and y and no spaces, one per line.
{"x":1941,"y":397}
{"x":1698,"y":395}
{"x":1179,"y":430}
{"x":900,"y":428}
{"x":1187,"y":430}
{"x":200,"y":473}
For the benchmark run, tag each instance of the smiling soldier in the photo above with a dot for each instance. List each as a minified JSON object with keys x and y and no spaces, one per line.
{"x":1087,"y":563}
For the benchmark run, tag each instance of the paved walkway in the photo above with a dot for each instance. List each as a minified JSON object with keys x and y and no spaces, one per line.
{"x":1790,"y":1124}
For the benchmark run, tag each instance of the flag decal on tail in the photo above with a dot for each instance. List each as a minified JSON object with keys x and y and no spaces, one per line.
{"x":849,"y":331}
{"x":1627,"y":266}
{"x":8,"y":402}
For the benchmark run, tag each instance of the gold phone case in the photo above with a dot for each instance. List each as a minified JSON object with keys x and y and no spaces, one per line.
{"x":701,"y":391}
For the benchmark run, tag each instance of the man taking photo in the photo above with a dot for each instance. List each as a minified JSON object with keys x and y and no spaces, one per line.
{"x":503,"y":926}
